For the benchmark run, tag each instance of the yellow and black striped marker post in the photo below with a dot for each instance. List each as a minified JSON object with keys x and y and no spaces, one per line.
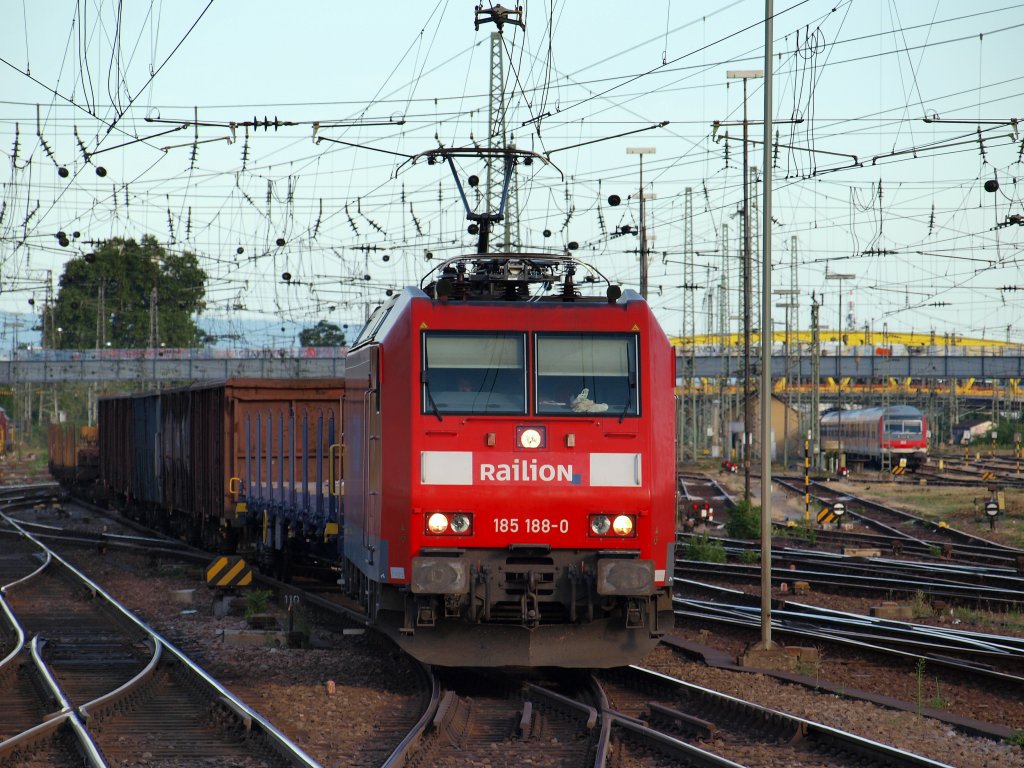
{"x":807,"y":480}
{"x":988,"y":475}
{"x":825,"y":516}
{"x":898,"y":470}
{"x":228,"y":571}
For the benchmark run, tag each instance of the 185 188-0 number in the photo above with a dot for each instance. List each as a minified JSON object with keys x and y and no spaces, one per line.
{"x":530,"y":525}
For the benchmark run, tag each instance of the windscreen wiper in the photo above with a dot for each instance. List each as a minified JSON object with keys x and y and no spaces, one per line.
{"x":629,"y":396}
{"x":425,"y":381}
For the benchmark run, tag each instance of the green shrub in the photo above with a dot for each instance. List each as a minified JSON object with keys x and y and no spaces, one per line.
{"x":705,"y":549}
{"x":257,"y":601}
{"x":750,"y":556}
{"x":744,"y":521}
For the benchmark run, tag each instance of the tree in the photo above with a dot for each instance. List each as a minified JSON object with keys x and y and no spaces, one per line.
{"x":109,"y":298}
{"x":323,"y":334}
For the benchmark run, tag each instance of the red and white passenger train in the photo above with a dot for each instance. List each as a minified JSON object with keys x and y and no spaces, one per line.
{"x":509,"y":456}
{"x":868,"y":434}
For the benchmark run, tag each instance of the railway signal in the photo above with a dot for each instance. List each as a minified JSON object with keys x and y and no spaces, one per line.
{"x":992,"y":511}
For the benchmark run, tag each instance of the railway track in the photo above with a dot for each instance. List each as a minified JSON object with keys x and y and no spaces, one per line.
{"x":111,"y":685}
{"x":739,"y":730}
{"x":482,"y":718}
{"x":983,"y":587}
{"x":997,"y":657}
{"x":913,"y":530}
{"x":980,"y":472}
{"x":647,"y":742}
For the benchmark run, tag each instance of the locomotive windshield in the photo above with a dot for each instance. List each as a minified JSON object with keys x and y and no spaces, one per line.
{"x":474,"y":373}
{"x":586,"y":373}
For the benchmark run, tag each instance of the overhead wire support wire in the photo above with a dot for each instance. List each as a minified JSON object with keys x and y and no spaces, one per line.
{"x":662,"y":124}
{"x":954,"y":141}
{"x":137,"y":141}
{"x":318,"y":139}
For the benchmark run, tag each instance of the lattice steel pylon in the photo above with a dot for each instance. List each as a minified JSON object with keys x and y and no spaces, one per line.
{"x":496,"y":137}
{"x":690,"y":425}
{"x":724,"y":333}
{"x":792,"y":374}
{"x":754,"y":220}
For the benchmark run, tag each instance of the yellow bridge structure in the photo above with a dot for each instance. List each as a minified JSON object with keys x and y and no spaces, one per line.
{"x":864,"y":352}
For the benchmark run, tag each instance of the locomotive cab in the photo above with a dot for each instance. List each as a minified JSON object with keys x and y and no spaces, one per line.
{"x":509,"y":469}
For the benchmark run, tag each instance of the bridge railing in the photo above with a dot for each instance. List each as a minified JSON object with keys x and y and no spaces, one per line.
{"x":50,"y":366}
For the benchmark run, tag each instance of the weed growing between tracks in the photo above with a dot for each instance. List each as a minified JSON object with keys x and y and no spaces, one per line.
{"x":921,"y":607}
{"x":744,"y":521}
{"x":803,"y":533}
{"x":705,"y":549}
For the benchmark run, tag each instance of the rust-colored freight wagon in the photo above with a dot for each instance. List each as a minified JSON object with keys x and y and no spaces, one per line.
{"x":73,"y":454}
{"x":205,"y":460}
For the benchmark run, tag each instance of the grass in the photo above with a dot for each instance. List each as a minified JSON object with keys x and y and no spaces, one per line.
{"x":705,"y":549}
{"x":802,"y":532}
{"x":920,"y":606}
{"x":1008,"y":623}
{"x":257,"y":601}
{"x":960,"y":508}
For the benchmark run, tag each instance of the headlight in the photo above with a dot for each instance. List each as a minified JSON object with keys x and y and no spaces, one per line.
{"x":623,"y":525}
{"x":610,"y":526}
{"x":449,"y":524}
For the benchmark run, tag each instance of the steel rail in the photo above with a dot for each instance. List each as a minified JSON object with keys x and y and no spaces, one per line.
{"x":750,"y":619}
{"x":811,"y":730}
{"x":252,"y":719}
{"x":399,"y":757}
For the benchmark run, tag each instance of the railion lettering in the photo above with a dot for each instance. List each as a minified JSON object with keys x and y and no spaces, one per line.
{"x":526,"y":471}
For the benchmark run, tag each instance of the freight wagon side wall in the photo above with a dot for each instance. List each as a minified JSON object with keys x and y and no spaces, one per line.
{"x":127,"y":446}
{"x":144,"y":483}
{"x":279,"y":448}
{"x":191,"y":453}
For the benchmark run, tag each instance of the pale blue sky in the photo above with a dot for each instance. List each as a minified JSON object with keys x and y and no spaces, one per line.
{"x":886,"y":196}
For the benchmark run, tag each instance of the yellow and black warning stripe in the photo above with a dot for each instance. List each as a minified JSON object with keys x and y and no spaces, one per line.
{"x":228,"y":571}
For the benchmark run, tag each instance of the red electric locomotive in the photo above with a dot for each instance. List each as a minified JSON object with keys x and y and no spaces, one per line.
{"x":509,"y":455}
{"x":869,"y":434}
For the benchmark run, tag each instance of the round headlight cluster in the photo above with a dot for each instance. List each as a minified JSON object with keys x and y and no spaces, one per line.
{"x":605,"y":525}
{"x":452,"y":523}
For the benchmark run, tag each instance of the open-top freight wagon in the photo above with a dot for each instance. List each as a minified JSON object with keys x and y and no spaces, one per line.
{"x":212,"y":462}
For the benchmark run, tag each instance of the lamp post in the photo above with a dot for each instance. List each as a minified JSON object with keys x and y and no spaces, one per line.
{"x":643,"y":219}
{"x":840,"y":276}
